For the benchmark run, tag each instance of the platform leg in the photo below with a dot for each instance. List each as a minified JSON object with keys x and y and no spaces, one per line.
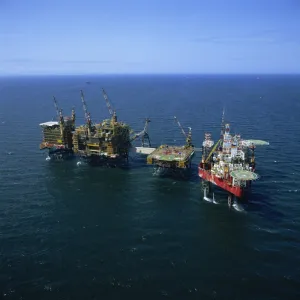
{"x":213,"y":197}
{"x":205,"y":185}
{"x":211,"y":187}
{"x":230,"y":200}
{"x":208,"y":191}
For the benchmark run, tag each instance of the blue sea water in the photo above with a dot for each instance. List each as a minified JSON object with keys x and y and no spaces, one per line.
{"x":70,"y":232}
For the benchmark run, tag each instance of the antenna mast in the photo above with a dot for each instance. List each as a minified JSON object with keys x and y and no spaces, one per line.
{"x":223,"y":124}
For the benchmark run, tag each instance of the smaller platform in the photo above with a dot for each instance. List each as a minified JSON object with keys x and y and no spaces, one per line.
{"x":171,"y":156}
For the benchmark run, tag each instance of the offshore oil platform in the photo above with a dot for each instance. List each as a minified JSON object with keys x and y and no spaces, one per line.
{"x":57,"y":135}
{"x":171,"y":158}
{"x":107,"y":142}
{"x":229,"y":164}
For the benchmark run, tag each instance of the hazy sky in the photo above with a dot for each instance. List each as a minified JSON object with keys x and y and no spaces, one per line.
{"x":149,"y":36}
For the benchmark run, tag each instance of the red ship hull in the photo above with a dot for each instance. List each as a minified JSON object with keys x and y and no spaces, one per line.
{"x":220,"y":182}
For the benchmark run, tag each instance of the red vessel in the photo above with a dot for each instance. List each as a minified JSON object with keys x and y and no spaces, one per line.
{"x":238,"y":191}
{"x":228,"y":164}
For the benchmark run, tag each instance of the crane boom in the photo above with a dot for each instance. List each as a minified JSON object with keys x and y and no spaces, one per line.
{"x":212,"y":151}
{"x":182,"y":130}
{"x":86,"y":113}
{"x":110,"y":109}
{"x":144,"y":134}
{"x":59,"y":112}
{"x":56,"y":106}
{"x":187,"y":136}
{"x":146,"y":124}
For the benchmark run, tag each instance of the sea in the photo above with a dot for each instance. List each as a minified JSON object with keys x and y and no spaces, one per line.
{"x":70,"y":231}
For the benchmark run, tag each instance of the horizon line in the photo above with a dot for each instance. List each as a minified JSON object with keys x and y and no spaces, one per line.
{"x":148,"y":74}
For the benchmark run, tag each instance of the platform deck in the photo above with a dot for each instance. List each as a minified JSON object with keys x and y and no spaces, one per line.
{"x":172,"y":153}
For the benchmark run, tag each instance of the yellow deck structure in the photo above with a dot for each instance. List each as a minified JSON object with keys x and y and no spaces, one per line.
{"x":108,"y":139}
{"x":171,"y":156}
{"x":58,"y":134}
{"x":175,"y":157}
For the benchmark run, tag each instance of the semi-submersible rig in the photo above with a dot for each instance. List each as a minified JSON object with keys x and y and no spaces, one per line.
{"x":106,"y":142}
{"x":229,"y":164}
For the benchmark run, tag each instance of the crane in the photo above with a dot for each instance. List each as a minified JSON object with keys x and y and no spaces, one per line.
{"x":56,"y":106}
{"x":59,"y":112}
{"x":212,"y":151}
{"x":144,"y":134}
{"x":73,"y":117}
{"x":188,"y":136}
{"x":60,"y":116}
{"x":220,"y":141}
{"x":86,"y":114}
{"x":112,"y":112}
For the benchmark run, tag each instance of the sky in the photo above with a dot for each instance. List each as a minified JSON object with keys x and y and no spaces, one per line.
{"x":149,"y":37}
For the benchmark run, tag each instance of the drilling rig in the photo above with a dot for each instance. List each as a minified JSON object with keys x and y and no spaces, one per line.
{"x":57,"y":135}
{"x":229,"y":164}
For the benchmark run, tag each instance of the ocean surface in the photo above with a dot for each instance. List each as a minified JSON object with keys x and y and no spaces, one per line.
{"x":79,"y":232}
